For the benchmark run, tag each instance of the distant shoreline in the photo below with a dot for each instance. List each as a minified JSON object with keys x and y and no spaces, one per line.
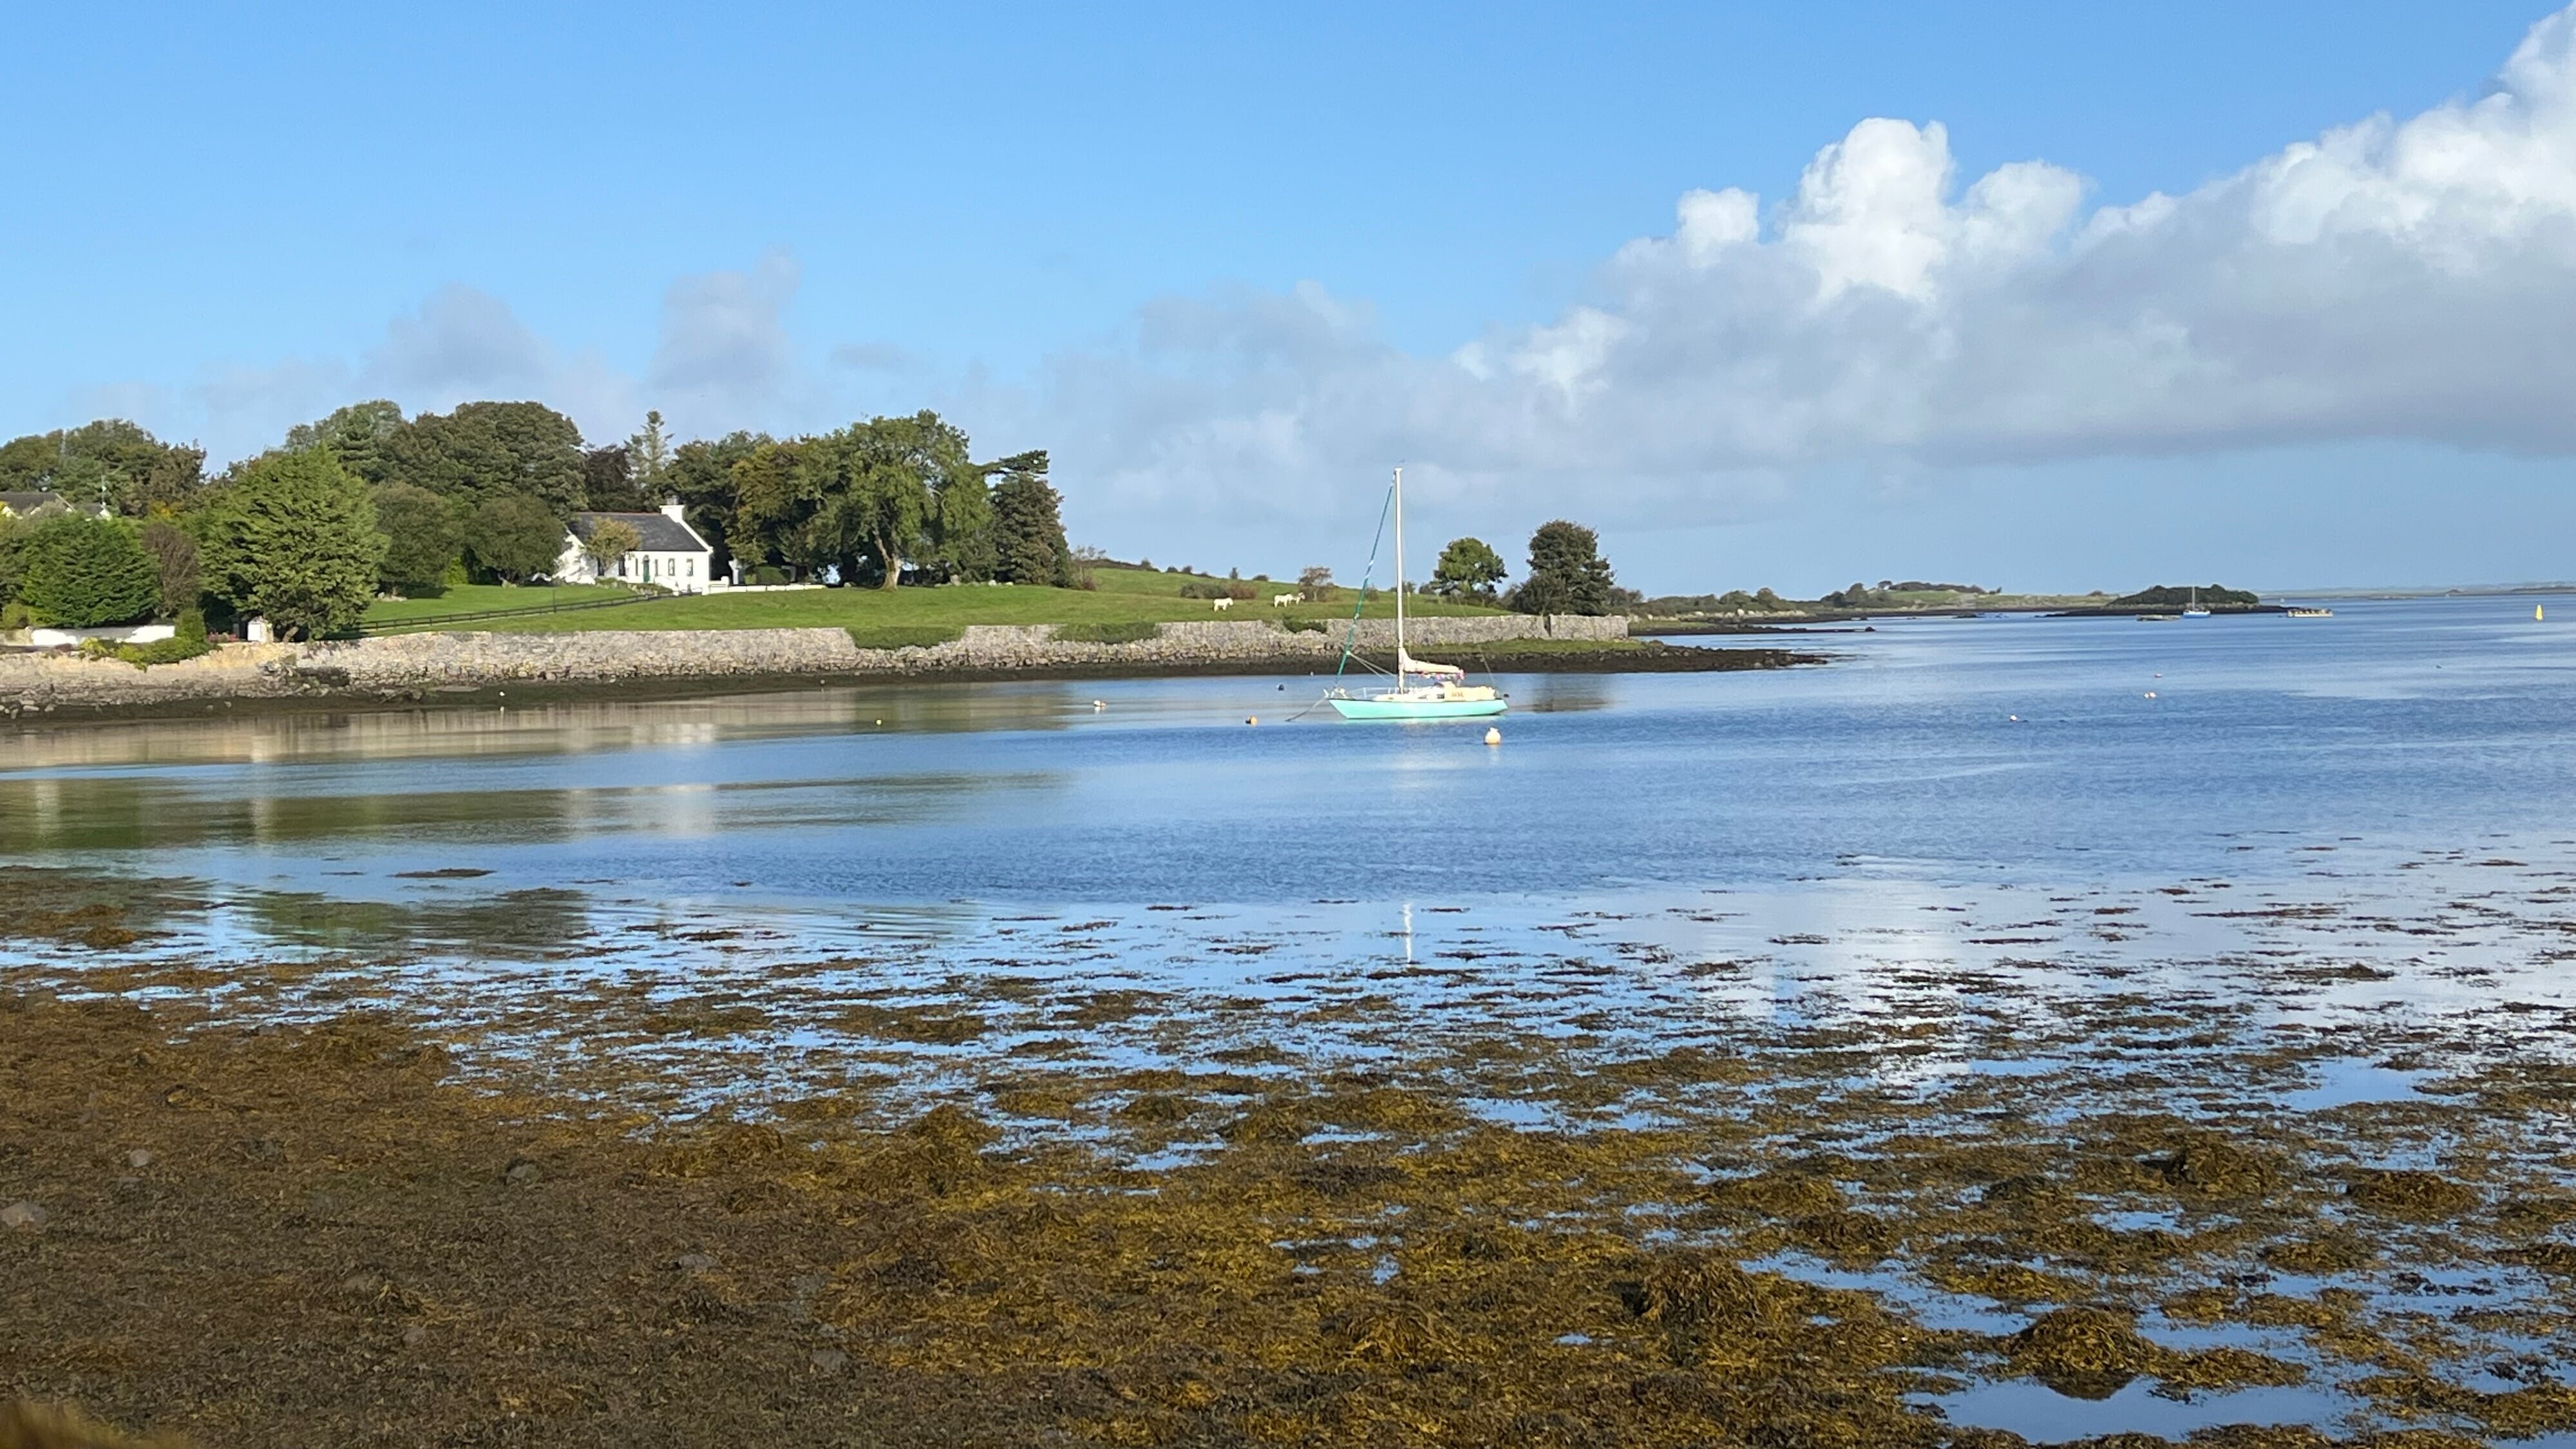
{"x":495,"y":671}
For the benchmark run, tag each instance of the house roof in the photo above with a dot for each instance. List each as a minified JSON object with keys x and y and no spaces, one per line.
{"x":655,"y":532}
{"x":27,"y":500}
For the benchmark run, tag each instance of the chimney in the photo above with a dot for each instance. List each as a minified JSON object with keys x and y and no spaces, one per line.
{"x":674,"y":512}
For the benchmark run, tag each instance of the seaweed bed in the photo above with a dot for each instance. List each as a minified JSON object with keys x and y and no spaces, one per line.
{"x":322,"y":1199}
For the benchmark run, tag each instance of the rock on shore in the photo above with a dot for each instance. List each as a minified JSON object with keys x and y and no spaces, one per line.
{"x":424,"y":665}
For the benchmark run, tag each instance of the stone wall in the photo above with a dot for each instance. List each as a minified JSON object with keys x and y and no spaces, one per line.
{"x":408,"y":664}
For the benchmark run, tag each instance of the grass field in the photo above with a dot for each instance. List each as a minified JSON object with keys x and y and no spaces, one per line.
{"x":1124,"y":596}
{"x":480,"y":598}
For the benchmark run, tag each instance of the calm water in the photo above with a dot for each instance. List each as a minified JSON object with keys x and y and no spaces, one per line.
{"x":2339,"y":828}
{"x":2141,"y":751}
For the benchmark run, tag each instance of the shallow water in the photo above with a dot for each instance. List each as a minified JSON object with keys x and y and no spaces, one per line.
{"x":2321,"y":876}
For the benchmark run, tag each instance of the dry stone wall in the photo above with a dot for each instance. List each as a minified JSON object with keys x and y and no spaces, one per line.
{"x":424,"y":664}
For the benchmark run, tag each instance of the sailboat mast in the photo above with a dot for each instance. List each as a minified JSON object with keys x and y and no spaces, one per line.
{"x":1399,"y":577}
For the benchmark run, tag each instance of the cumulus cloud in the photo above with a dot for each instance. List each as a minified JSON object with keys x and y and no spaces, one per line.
{"x":461,"y":341}
{"x":2407,"y":279}
{"x":725,"y":359}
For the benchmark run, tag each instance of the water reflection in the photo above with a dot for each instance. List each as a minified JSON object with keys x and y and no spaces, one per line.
{"x":481,"y":730}
{"x":515,"y":925}
{"x":140,"y":812}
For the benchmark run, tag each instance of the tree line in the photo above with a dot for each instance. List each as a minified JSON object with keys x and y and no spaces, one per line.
{"x":1567,"y":574}
{"x":369,"y":501}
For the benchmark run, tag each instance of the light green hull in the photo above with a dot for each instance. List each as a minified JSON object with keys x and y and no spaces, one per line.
{"x":1419,"y":708}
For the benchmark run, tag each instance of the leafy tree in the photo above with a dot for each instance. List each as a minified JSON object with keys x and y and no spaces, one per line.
{"x":609,"y":542}
{"x":491,"y":450}
{"x":961,"y":544}
{"x":82,"y":572}
{"x":1567,"y":574}
{"x":773,"y":498}
{"x":1028,"y":524}
{"x":15,"y":533}
{"x":701,"y":475}
{"x":1316,"y":580}
{"x":419,"y":529}
{"x":1468,"y":568}
{"x":110,"y":460}
{"x":175,"y":565}
{"x":295,"y":539}
{"x":879,"y":493}
{"x":608,"y":481}
{"x":516,"y":537}
{"x":357,"y":433}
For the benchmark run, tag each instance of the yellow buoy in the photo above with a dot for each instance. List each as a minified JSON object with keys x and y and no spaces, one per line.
{"x":1252,"y":719}
{"x":1493,"y":736}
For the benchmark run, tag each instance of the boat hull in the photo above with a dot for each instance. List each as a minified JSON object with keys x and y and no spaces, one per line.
{"x":1419,"y":708}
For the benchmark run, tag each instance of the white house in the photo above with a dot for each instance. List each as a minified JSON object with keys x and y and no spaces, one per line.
{"x":668,"y":552}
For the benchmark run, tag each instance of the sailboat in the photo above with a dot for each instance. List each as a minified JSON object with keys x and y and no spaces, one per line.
{"x":2194,"y":610}
{"x":1444,"y":692}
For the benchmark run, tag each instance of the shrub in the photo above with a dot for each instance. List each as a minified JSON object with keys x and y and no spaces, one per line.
{"x":900,"y":637}
{"x":83,"y":572}
{"x":174,"y":565}
{"x":515,"y":536}
{"x":768,"y":574}
{"x":419,"y":529}
{"x":1106,"y":633}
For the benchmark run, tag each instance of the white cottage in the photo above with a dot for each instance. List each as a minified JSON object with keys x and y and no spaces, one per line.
{"x":668,"y":552}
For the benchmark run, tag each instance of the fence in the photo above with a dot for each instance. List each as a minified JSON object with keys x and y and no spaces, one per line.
{"x":432,"y":621}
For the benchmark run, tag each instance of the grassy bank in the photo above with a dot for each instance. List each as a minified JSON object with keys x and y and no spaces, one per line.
{"x":1123,"y":596}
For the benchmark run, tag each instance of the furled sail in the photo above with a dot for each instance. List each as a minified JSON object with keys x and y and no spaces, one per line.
{"x":1406,"y":663}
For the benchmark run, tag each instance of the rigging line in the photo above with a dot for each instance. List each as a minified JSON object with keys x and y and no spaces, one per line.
{"x":1351,"y":639}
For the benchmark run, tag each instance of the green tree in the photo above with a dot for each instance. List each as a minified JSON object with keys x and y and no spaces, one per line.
{"x":651,"y":452}
{"x":491,"y":450}
{"x":516,"y":537}
{"x":15,"y":534}
{"x":176,"y":568}
{"x":111,"y":461}
{"x":82,"y":572}
{"x":878,"y":493}
{"x":1028,"y":524}
{"x":607,"y":543}
{"x":1567,"y":574}
{"x":1468,"y":569}
{"x":420,"y":534}
{"x":357,"y":433}
{"x":608,"y":482}
{"x":701,"y":475}
{"x":295,"y":539}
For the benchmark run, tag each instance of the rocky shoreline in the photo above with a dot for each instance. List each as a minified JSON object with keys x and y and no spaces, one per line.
{"x":468,"y":668}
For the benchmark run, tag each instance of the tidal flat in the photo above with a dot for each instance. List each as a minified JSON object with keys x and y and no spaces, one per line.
{"x":2199,"y":1161}
{"x":2025,"y":1031}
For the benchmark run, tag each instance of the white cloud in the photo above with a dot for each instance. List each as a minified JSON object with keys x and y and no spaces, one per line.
{"x":725,"y":360}
{"x":462,"y":343}
{"x":2396,"y":279}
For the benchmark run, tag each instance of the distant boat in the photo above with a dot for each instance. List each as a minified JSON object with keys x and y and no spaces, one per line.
{"x":1444,"y":693}
{"x":2194,"y":610}
{"x":2307,"y":613}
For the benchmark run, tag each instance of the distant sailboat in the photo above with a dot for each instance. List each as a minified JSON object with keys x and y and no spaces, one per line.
{"x":2194,"y":610}
{"x":1445,"y":694}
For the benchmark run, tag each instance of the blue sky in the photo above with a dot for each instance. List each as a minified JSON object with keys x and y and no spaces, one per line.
{"x":1226,"y":265}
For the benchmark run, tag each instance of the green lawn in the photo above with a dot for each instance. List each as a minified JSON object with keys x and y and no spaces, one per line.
{"x":479,"y":598}
{"x":1124,"y":596}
